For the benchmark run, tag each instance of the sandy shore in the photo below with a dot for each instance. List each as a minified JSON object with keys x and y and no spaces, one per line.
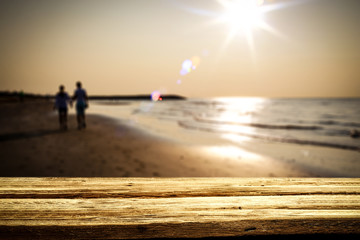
{"x":32,"y":145}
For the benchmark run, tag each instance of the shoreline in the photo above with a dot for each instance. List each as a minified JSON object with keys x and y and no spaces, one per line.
{"x":32,"y":146}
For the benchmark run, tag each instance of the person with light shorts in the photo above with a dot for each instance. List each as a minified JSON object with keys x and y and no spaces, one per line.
{"x":81,"y":104}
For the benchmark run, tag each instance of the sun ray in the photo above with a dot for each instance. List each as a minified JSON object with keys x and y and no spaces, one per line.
{"x":265,"y":26}
{"x":243,"y":18}
{"x":282,"y":4}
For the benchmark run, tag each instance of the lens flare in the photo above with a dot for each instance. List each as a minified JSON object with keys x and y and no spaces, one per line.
{"x":189,"y":65}
{"x":186,"y":67}
{"x":195,"y":61}
{"x":183,"y":72}
{"x":205,"y":53}
{"x":156,"y":96}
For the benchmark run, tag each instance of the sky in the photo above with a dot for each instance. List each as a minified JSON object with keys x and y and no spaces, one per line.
{"x":194,"y":48}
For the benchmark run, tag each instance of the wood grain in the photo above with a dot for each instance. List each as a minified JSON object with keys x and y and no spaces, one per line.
{"x":132,"y":208}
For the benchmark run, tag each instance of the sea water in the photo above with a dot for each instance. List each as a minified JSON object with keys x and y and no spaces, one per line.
{"x":326,"y":122}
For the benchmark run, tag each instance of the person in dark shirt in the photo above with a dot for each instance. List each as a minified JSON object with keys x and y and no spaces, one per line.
{"x":61,"y":104}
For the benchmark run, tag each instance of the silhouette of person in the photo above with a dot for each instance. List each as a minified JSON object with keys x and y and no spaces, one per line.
{"x":61,"y":101}
{"x":81,"y":104}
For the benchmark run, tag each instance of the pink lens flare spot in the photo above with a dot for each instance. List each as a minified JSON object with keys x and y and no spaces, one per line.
{"x":205,"y":53}
{"x":156,"y":96}
{"x":183,"y":72}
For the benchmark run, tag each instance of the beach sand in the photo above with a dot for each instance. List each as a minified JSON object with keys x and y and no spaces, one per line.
{"x":31,"y":145}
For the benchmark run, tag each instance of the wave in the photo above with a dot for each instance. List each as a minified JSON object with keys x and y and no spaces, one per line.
{"x":345,"y":124}
{"x":260,"y":125}
{"x":188,"y":125}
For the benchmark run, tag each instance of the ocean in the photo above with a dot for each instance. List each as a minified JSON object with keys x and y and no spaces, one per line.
{"x":325,"y":122}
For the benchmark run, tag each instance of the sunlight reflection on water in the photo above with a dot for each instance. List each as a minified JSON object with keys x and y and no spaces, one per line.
{"x":240,"y":113}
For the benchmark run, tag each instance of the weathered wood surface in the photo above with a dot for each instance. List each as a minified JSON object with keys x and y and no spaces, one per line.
{"x":128,"y":208}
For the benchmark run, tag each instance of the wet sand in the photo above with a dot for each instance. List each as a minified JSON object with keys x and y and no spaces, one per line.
{"x":31,"y":145}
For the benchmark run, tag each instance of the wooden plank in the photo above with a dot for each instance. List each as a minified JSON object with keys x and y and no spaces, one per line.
{"x":172,"y":187}
{"x":130,"y":208}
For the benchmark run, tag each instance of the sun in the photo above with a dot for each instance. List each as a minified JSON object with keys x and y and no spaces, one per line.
{"x":242,"y":16}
